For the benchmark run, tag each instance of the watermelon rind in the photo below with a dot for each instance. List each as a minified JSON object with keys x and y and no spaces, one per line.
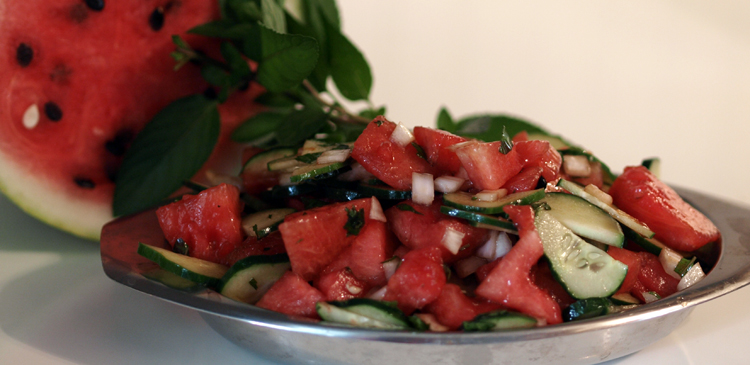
{"x":82,"y":218}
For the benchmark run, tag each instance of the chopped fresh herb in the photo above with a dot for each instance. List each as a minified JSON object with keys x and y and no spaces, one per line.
{"x":407,"y":208}
{"x":355,"y":221}
{"x":253,"y":283}
{"x":260,"y":233}
{"x":684,"y":266}
{"x":379,"y":123}
{"x":420,"y":151}
{"x":181,"y":247}
{"x":506,"y":144}
{"x":308,"y":157}
{"x":474,"y":198}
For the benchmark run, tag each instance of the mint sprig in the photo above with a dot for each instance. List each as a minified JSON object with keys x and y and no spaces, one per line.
{"x":295,"y":58}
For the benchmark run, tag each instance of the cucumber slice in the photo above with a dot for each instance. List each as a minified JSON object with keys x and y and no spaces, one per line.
{"x":333,"y":312}
{"x":499,"y":320}
{"x":479,"y":219}
{"x":317,"y":171}
{"x":625,"y":299}
{"x":260,"y":161}
{"x":286,"y":191}
{"x":173,"y":281}
{"x":260,"y":224}
{"x":624,"y":218}
{"x":584,"y":218}
{"x":384,"y":192}
{"x":583,"y":270}
{"x":196,"y":270}
{"x":651,"y":245}
{"x":248,"y":279}
{"x":466,"y":201}
{"x":375,"y":309}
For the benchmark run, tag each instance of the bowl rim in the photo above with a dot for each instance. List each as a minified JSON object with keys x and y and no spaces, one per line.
{"x":731,"y":272}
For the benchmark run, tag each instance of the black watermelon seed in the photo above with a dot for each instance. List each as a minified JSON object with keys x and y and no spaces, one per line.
{"x":210,"y":93}
{"x":542,"y":183}
{"x":96,"y":5}
{"x":24,"y":54}
{"x":119,"y":144}
{"x":84,"y":182}
{"x":156,"y":19}
{"x":52,"y":111}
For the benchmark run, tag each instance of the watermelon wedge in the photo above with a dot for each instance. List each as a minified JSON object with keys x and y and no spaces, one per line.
{"x":79,"y":80}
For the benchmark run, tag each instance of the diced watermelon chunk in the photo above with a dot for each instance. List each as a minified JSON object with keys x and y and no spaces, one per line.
{"x":526,"y":180}
{"x":435,"y":143}
{"x":633,"y":260}
{"x":293,"y":296}
{"x":313,"y":238}
{"x":271,"y":244}
{"x":487,"y":167}
{"x":341,"y":285}
{"x":452,"y":308}
{"x":540,"y":154}
{"x":418,"y":280}
{"x":388,"y":161}
{"x":653,"y":276}
{"x":677,"y":224}
{"x":208,"y":222}
{"x":427,"y":226}
{"x":510,"y":284}
{"x":364,"y":257}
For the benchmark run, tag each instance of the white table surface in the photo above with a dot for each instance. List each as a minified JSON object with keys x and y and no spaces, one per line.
{"x":627,"y":79}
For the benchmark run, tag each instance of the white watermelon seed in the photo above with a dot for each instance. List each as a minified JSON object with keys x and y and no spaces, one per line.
{"x":31,"y":116}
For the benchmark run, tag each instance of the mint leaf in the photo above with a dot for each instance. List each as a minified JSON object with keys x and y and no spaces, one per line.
{"x":372,"y":113}
{"x":490,"y":127}
{"x":355,"y":221}
{"x":506,"y":144}
{"x":349,"y":69}
{"x":420,"y":151}
{"x":308,"y":157}
{"x":243,"y":11}
{"x":329,"y":11}
{"x":273,"y":15}
{"x":258,"y":127}
{"x":300,"y":125}
{"x":169,"y":150}
{"x":320,"y":73}
{"x":286,"y":59}
{"x":445,"y":121}
{"x":407,"y":208}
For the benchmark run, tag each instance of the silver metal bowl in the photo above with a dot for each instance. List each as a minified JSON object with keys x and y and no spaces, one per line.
{"x":288,"y":340}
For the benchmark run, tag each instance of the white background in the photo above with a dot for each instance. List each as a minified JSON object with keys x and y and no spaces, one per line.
{"x":627,"y":79}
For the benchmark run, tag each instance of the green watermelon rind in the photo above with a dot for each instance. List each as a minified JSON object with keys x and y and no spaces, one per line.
{"x":82,"y":218}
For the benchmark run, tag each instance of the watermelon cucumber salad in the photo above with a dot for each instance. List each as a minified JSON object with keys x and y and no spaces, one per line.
{"x":424,"y":229}
{"x":298,"y":205}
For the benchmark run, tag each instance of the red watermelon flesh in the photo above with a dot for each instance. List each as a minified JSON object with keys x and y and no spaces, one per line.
{"x":96,"y":77}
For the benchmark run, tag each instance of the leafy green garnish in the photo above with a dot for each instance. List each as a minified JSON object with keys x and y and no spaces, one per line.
{"x":294,"y":59}
{"x":420,"y":151}
{"x":407,"y":208}
{"x":355,"y":221}
{"x":181,"y":247}
{"x":169,"y":150}
{"x":253,"y":283}
{"x":506,"y":144}
{"x":308,"y":157}
{"x":684,"y":265}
